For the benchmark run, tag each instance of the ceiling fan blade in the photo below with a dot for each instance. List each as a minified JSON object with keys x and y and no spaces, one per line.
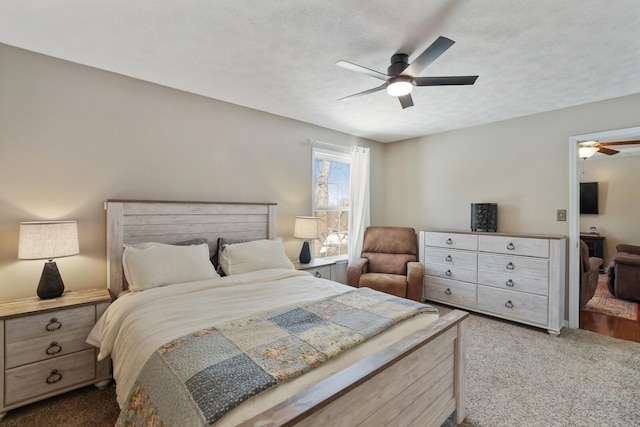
{"x":609,"y":143}
{"x":445,"y":81}
{"x":430,"y":54}
{"x":362,"y":70}
{"x":366,"y":92}
{"x":607,"y":151}
{"x":406,"y":101}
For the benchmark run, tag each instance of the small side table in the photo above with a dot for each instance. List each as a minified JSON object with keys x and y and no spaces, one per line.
{"x":319,"y":267}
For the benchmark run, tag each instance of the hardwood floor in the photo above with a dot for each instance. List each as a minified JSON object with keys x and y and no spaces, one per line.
{"x":612,"y":326}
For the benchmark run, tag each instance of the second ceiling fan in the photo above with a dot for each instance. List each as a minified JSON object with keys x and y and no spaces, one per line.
{"x":402,"y":76}
{"x":603,"y":147}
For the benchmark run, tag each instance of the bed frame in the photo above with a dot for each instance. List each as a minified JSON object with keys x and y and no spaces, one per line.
{"x":420,"y":381}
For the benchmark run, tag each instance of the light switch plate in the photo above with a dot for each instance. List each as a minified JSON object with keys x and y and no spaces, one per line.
{"x":562,"y":214}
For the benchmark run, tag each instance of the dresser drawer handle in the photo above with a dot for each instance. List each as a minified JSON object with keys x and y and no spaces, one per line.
{"x":508,"y":304}
{"x":448,"y":273}
{"x":54,"y":348}
{"x":53,"y":325}
{"x":448,"y":258}
{"x":510,"y":266}
{"x":449,"y":242}
{"x":448,"y":291}
{"x":510,"y":283}
{"x":54,"y":377}
{"x":318,"y":274}
{"x":511,"y":247}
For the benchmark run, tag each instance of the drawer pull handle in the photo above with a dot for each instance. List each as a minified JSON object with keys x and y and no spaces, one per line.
{"x":448,"y":273}
{"x":508,"y":304}
{"x":448,"y":258}
{"x":511,"y":247}
{"x":449,"y":242}
{"x":54,"y":377}
{"x":54,"y":348}
{"x":510,"y":283}
{"x":510,"y":266}
{"x":318,"y":274}
{"x":53,"y":325}
{"x":448,"y":291}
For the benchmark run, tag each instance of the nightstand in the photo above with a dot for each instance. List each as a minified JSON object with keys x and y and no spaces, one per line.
{"x":44,"y":352}
{"x":319,"y":267}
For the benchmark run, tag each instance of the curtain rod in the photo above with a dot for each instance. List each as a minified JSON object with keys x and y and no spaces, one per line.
{"x":328,"y":144}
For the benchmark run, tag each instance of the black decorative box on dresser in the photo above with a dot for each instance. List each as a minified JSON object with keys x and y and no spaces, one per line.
{"x":44,"y":352}
{"x":515,"y":277}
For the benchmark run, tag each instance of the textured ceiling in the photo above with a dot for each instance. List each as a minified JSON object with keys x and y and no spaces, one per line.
{"x":279,"y":56}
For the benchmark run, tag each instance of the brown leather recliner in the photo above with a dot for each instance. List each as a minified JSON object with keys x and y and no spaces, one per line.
{"x":589,"y":274}
{"x":624,"y":273}
{"x":389,"y":263}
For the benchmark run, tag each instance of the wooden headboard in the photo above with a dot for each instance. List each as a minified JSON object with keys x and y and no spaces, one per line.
{"x":137,"y":221}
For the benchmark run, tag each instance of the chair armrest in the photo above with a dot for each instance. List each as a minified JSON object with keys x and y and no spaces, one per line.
{"x":356,"y":269}
{"x":632,"y":249}
{"x":630,"y":260}
{"x":415,"y":278}
{"x":595,"y":263}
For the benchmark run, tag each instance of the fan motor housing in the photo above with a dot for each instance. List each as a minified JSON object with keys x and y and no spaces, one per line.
{"x":399,"y":62}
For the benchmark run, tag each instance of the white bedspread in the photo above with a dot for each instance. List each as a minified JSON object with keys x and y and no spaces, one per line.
{"x":136,"y":324}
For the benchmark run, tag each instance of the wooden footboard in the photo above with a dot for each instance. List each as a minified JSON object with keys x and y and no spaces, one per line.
{"x":420,"y":381}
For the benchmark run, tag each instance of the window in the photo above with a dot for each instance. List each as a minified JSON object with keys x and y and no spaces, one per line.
{"x":331,"y":171}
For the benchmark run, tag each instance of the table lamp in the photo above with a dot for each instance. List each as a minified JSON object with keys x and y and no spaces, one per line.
{"x":48,"y":240}
{"x":306,"y":227}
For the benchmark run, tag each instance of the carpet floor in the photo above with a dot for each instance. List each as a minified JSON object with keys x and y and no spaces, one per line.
{"x":517,"y":376}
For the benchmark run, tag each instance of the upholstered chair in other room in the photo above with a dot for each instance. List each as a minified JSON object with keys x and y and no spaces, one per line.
{"x":389,"y":263}
{"x":589,"y":274}
{"x":624,"y":273}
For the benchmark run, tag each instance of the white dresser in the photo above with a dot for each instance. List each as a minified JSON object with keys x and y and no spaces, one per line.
{"x":515,"y":277}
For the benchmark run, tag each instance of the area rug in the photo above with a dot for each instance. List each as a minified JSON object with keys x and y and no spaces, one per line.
{"x":604,"y":302}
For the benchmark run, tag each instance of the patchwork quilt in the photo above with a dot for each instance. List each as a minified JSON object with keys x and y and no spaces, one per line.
{"x":196,"y":379}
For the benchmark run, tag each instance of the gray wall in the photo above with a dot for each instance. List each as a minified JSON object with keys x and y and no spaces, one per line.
{"x":73,"y":136}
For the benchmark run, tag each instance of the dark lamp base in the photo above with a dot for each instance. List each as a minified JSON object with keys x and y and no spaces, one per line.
{"x":305,"y":254}
{"x":51,"y":285}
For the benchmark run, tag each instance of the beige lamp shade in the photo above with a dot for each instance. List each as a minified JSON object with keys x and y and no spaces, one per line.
{"x":48,"y":239}
{"x":306,"y":227}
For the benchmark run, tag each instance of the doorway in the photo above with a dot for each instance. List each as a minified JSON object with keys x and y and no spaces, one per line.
{"x":575,"y":170}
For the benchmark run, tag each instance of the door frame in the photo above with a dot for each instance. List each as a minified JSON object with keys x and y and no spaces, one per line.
{"x":574,"y":211}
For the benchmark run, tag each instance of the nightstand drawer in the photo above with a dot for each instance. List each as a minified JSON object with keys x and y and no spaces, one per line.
{"x":50,"y":324}
{"x":22,"y":352}
{"x":48,"y":376}
{"x":322,"y":272}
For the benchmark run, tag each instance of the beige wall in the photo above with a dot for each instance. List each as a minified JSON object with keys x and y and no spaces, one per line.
{"x":522,"y":164}
{"x":618,"y":218}
{"x":72,"y":136}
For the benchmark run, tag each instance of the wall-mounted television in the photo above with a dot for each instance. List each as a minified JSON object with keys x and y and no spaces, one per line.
{"x":589,"y":198}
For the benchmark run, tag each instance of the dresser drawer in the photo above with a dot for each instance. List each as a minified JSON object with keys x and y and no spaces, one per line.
{"x":451,"y":272}
{"x":450,"y":291}
{"x":36,"y":349}
{"x":451,"y":240}
{"x":464,"y":259}
{"x":514,"y":246}
{"x":511,"y":304}
{"x":516,"y":266}
{"x":509,"y":281}
{"x":50,"y":324}
{"x":48,"y":376}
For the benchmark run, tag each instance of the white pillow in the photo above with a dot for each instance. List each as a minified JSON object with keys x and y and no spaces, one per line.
{"x":149,"y":265}
{"x":251,"y":256}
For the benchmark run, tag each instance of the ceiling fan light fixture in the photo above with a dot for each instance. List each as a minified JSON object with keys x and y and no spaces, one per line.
{"x":586,"y":152}
{"x":399,"y":86}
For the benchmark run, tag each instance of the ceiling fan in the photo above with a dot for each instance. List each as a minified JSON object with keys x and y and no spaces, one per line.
{"x":402,"y":76}
{"x":589,"y":148}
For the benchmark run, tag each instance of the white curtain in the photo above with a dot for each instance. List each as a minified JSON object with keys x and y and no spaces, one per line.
{"x":358,"y":200}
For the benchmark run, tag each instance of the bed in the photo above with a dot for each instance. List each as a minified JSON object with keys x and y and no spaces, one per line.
{"x":411,"y":373}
